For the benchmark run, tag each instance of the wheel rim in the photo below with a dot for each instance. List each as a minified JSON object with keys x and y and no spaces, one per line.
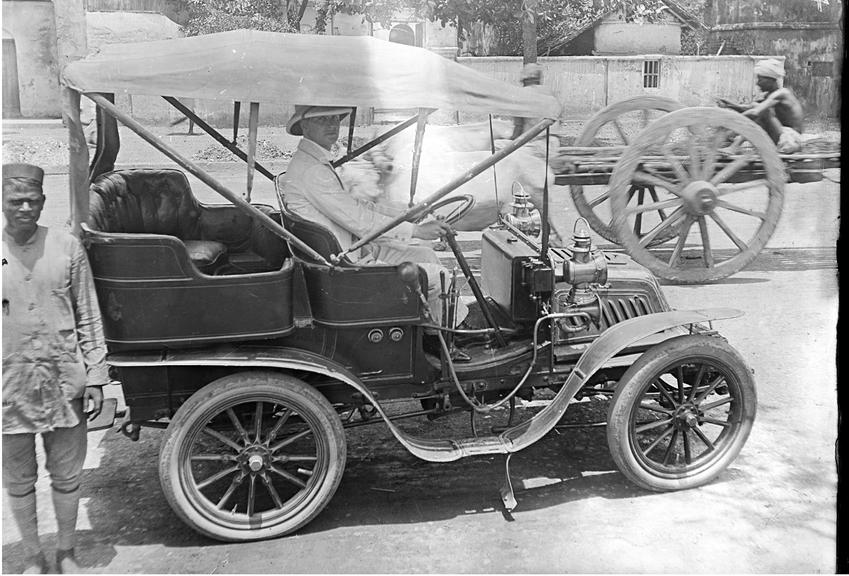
{"x":724,"y":190}
{"x":253,"y":462}
{"x":687,"y":418}
{"x":618,"y":125}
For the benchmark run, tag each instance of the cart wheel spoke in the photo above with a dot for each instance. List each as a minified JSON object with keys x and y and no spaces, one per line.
{"x":734,"y":208}
{"x":638,"y":221}
{"x":707,"y":251}
{"x":728,"y":171}
{"x":682,"y":239}
{"x":673,"y":219}
{"x":675,"y":164}
{"x":710,"y":445}
{"x":696,"y":166}
{"x":654,"y":197}
{"x":732,"y":187}
{"x":679,"y":379}
{"x":728,"y":232}
{"x":659,"y":385}
{"x":600,"y":199}
{"x":621,"y":132}
{"x":715,"y":422}
{"x":653,"y":407}
{"x":688,"y":452}
{"x":654,"y":206}
{"x":648,"y":177}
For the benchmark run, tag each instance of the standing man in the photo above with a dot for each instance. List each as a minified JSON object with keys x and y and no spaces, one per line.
{"x":778,"y":111}
{"x":314,"y":191}
{"x":53,"y":363}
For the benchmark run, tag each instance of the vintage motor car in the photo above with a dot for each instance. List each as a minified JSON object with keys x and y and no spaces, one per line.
{"x":255,"y":340}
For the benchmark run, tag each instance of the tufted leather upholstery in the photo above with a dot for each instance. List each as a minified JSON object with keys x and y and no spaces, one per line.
{"x":154,"y":202}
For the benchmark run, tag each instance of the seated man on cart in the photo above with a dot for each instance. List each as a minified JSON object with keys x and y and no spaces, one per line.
{"x":778,"y":112}
{"x":314,"y":191}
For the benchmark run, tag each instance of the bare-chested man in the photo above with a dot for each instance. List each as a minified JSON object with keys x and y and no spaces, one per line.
{"x":778,"y":112}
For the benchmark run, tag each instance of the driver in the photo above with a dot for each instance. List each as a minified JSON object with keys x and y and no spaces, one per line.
{"x":314,"y":191}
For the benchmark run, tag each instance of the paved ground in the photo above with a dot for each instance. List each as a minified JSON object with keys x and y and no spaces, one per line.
{"x":772,"y":511}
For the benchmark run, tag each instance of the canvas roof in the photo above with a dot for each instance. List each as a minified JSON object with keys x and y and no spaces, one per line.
{"x":256,"y":66}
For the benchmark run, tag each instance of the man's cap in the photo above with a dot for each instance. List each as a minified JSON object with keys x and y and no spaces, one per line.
{"x":27,"y":171}
{"x":770,"y":68}
{"x":303,"y":112}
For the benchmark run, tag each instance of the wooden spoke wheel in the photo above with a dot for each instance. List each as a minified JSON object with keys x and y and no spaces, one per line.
{"x":618,"y":125}
{"x":251,"y":456}
{"x":682,"y":413}
{"x":725,"y":190}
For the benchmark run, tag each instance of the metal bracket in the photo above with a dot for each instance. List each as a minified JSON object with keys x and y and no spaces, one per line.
{"x":507,"y":496}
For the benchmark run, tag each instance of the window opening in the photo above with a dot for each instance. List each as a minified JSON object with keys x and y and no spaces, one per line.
{"x":651,"y":73}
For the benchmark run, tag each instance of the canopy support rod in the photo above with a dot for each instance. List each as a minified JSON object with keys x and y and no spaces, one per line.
{"x":492,"y":151}
{"x":379,"y":140}
{"x":546,"y":225}
{"x":253,"y":125}
{"x":237,"y":108}
{"x":192,"y":168}
{"x":216,"y":135}
{"x":78,"y":159}
{"x":417,"y":153}
{"x":352,"y":120}
{"x":420,"y":208}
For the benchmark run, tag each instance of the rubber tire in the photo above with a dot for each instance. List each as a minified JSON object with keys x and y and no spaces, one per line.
{"x":223,"y":392}
{"x":630,"y":388}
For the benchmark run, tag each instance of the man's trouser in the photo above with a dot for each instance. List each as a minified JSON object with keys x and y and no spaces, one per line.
{"x":65,"y":450}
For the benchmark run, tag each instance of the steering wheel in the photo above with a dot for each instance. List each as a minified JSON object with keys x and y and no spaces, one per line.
{"x":449,"y":216}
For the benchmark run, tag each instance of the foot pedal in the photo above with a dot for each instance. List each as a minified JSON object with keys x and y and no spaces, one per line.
{"x":106,"y":418}
{"x":507,"y":496}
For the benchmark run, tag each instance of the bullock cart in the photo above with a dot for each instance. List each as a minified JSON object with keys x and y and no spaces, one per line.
{"x":254,"y":340}
{"x":692,"y":194}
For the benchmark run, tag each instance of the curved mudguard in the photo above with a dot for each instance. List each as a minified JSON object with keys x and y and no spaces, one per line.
{"x":511,"y":440}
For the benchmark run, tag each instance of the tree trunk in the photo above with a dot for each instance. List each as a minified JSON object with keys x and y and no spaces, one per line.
{"x":529,"y":31}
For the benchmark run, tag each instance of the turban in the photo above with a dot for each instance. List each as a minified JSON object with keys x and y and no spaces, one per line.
{"x":770,"y":68}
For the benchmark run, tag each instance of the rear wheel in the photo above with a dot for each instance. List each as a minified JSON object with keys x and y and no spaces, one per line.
{"x":251,"y":456}
{"x":681,"y":413}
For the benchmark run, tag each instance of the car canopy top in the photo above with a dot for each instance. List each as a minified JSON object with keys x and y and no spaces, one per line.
{"x":256,"y":66}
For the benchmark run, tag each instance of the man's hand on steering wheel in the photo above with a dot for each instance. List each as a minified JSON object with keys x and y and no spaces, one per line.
{"x":431,"y":230}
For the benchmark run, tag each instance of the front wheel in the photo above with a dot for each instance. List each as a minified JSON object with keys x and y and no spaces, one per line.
{"x":251,"y":456}
{"x":681,"y":413}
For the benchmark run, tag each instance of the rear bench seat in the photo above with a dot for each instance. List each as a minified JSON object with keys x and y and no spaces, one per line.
{"x":219,"y":238}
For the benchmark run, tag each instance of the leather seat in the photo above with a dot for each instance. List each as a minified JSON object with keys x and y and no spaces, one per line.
{"x":147,"y":201}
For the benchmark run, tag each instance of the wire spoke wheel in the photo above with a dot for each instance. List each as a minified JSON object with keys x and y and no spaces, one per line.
{"x":723,"y":183}
{"x":682,"y":413}
{"x":252,"y":456}
{"x":618,"y":125}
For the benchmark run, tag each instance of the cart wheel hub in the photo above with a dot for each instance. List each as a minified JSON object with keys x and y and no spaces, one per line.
{"x":686,"y":416}
{"x":255,"y":462}
{"x":699,"y":197}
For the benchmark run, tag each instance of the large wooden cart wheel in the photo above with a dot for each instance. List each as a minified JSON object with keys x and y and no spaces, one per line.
{"x":618,"y":125}
{"x":724,"y":183}
{"x":253,"y":455}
